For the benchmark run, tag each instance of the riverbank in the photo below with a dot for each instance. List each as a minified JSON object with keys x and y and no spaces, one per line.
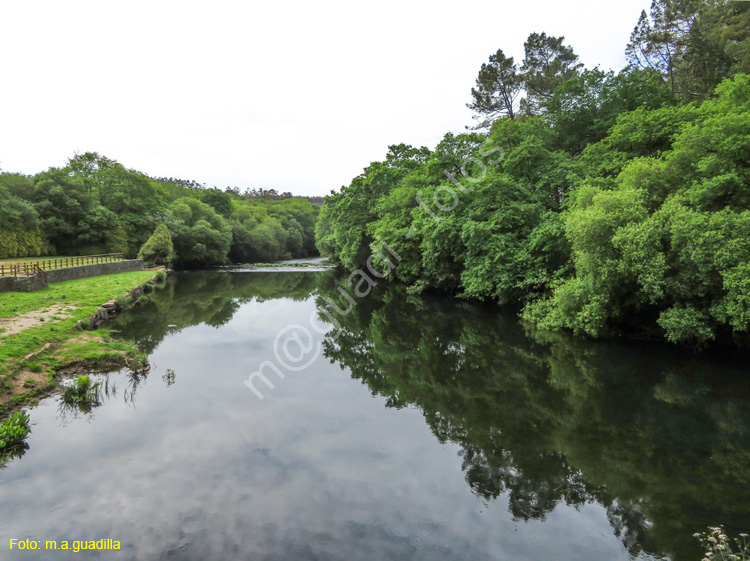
{"x":45,"y":333}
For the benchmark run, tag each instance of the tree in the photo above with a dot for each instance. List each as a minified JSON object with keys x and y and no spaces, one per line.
{"x":201,"y":236}
{"x":718,"y":47}
{"x":660,"y":38}
{"x":220,"y":201}
{"x":158,"y":249}
{"x":19,"y":232}
{"x":88,"y":165}
{"x":497,"y":89}
{"x":349,"y":213}
{"x":666,"y":247}
{"x":63,"y":203}
{"x":117,"y":239}
{"x":585,"y":107}
{"x":547,"y":64}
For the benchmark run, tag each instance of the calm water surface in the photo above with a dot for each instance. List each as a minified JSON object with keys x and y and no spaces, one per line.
{"x":426,"y":429}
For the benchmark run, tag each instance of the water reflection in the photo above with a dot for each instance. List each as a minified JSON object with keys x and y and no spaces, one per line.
{"x":210,"y":298}
{"x":660,"y":440}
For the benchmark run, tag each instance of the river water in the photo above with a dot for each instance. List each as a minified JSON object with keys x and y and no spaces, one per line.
{"x":423,"y":428}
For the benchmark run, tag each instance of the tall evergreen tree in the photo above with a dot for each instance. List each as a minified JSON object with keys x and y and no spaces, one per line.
{"x":661,"y":37}
{"x":497,"y":89}
{"x":548,"y":63}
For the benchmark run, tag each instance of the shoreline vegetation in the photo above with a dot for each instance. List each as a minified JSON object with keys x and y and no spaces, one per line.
{"x":599,"y":203}
{"x":45,"y":337}
{"x":94,"y":205}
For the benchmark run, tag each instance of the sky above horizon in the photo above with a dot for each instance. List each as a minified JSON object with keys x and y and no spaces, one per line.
{"x":294,"y":96}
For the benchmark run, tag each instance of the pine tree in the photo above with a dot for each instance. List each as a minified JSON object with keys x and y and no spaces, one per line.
{"x":497,"y":88}
{"x":548,"y":63}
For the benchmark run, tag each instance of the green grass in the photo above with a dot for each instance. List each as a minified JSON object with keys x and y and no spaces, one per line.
{"x":65,"y":345}
{"x":32,"y":365}
{"x":85,"y":294}
{"x":27,"y":259}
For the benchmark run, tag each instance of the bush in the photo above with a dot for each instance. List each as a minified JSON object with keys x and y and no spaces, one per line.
{"x":158,"y":248}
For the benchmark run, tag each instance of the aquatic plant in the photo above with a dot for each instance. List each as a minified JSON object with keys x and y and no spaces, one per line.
{"x":13,"y":433}
{"x":720,"y":547}
{"x":84,"y":394}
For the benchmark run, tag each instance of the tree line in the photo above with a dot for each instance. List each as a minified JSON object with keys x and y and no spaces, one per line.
{"x":250,"y":193}
{"x":94,"y":205}
{"x":586,"y":200}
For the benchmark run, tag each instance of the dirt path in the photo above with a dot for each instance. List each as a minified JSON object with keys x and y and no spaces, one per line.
{"x":16,"y":324}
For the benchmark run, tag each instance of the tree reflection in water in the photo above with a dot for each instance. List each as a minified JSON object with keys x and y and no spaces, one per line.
{"x":658,"y":438}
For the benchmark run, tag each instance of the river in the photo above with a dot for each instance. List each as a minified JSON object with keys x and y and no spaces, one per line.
{"x":423,"y":428}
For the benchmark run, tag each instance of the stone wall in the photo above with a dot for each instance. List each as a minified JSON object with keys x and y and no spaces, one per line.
{"x":29,"y":284}
{"x":21,"y":284}
{"x":84,"y":271}
{"x":7,"y":284}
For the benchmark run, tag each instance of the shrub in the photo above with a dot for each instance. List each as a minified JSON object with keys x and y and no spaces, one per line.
{"x":158,"y":249}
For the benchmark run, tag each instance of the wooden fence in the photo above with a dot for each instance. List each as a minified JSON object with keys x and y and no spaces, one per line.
{"x":38,"y":268}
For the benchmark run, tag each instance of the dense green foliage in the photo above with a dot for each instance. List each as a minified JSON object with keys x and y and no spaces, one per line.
{"x":598,"y":203}
{"x":159,"y":248}
{"x":13,"y":432}
{"x":95,"y":205}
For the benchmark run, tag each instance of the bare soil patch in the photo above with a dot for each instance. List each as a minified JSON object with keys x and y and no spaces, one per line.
{"x":16,"y":324}
{"x":26,"y":380}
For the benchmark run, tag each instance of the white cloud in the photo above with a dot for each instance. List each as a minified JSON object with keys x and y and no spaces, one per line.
{"x":295,"y":96}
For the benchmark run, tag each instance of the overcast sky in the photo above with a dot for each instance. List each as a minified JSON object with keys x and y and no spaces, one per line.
{"x":296,"y":96}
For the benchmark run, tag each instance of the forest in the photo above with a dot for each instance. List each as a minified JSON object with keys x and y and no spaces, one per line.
{"x":94,"y":205}
{"x":585,"y":200}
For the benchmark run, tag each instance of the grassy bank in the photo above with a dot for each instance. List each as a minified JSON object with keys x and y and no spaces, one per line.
{"x":28,"y":259}
{"x":38,"y":337}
